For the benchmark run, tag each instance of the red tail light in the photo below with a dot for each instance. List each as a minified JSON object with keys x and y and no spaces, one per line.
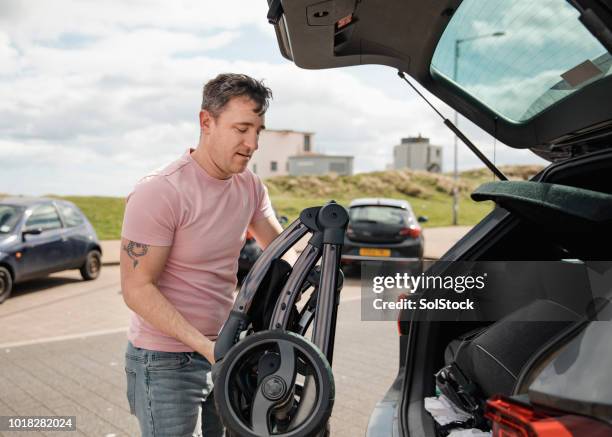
{"x":401,"y":297}
{"x":412,"y":231}
{"x":513,"y":419}
{"x":349,"y":231}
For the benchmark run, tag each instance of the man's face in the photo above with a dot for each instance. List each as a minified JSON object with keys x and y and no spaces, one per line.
{"x":233,"y":135}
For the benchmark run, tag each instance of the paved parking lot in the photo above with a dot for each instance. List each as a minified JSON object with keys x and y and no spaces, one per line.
{"x":62,"y":343}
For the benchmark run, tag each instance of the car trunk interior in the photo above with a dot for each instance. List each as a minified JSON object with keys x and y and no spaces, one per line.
{"x":513,"y":238}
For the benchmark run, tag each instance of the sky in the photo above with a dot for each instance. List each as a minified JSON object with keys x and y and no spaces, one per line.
{"x":94,"y":95}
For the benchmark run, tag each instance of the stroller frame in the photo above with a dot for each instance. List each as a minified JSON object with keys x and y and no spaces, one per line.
{"x":327,"y":226}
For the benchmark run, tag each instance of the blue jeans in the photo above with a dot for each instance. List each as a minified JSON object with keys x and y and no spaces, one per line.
{"x":171,"y":393}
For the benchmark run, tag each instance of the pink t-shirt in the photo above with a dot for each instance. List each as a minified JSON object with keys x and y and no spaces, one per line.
{"x":204,"y":220}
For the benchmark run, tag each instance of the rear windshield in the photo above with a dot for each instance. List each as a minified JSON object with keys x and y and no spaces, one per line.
{"x":379,"y":214}
{"x":9,"y":217}
{"x":519,"y":57}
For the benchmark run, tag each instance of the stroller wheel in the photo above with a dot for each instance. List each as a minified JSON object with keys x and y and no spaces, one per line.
{"x":274,"y":383}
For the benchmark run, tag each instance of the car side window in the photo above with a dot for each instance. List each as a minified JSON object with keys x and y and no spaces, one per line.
{"x":44,"y":217}
{"x":72,"y":216}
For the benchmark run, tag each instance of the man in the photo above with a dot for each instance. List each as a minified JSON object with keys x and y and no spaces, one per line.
{"x":182,"y":233}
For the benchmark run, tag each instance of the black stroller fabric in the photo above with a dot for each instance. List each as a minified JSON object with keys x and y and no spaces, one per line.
{"x":267,"y":294}
{"x":492,"y":358}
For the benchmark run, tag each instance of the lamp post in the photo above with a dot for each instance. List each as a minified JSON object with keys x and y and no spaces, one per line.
{"x":458,"y":42}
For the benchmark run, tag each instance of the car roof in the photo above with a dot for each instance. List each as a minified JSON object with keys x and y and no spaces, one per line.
{"x":404,"y":34}
{"x":25,"y":201}
{"x":380,"y":201}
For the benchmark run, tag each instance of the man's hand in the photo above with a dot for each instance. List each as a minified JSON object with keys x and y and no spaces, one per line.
{"x":207,"y":351}
{"x":141,"y":265}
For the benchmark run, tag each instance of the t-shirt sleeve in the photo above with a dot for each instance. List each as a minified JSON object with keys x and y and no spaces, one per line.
{"x":263,"y":206}
{"x":152,"y":213}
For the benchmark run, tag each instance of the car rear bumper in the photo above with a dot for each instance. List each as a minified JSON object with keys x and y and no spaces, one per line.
{"x":385,"y":418}
{"x":409,"y":250}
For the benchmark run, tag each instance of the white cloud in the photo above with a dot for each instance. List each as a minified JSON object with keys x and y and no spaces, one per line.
{"x":93,"y":95}
{"x":46,"y":20}
{"x":8,"y":55}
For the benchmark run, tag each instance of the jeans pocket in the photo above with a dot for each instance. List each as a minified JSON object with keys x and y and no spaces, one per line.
{"x":131,"y":389}
{"x":168,"y":360}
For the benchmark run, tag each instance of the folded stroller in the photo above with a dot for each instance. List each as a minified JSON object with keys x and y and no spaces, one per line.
{"x":269,"y":378}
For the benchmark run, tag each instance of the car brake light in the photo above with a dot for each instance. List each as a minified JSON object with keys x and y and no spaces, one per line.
{"x":344,"y":21}
{"x":513,"y":419}
{"x":349,"y":231}
{"x":412,"y":231}
{"x":400,"y":298}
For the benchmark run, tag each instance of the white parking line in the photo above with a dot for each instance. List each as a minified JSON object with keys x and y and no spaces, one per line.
{"x":103,"y":332}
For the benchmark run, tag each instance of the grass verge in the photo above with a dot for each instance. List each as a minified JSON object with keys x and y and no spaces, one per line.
{"x":429,"y":194}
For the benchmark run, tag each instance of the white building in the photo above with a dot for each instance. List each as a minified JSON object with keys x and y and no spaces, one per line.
{"x":317,"y":164}
{"x":416,"y":153}
{"x":275,"y":148}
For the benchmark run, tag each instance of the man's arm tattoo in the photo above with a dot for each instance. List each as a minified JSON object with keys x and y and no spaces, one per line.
{"x":136,"y":250}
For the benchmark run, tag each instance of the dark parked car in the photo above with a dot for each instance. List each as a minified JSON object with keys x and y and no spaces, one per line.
{"x":533,"y":360}
{"x":248,"y":255}
{"x":251,"y":251}
{"x":40,"y":236}
{"x":383,"y":230}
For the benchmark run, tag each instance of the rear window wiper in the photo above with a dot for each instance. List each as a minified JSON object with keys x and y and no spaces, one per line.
{"x":497,"y":172}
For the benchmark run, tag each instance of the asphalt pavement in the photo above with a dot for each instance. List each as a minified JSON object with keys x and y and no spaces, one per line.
{"x":62,"y":343}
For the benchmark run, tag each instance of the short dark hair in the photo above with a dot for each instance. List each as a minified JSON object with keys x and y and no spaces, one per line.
{"x":218,"y":91}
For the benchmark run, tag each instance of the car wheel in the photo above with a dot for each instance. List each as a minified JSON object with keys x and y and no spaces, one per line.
{"x":6,"y":284}
{"x":92,"y":265}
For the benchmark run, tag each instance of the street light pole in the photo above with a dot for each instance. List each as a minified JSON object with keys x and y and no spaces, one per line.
{"x":459,"y":41}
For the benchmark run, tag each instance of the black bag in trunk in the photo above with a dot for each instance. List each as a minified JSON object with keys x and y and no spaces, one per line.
{"x":489,"y":361}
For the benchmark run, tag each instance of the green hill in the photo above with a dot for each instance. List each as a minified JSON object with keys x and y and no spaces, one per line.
{"x":430,"y":195}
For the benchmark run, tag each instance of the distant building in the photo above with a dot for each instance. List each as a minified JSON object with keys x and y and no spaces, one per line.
{"x":275,"y":148}
{"x":317,"y":164}
{"x":416,"y":153}
{"x":289,"y":152}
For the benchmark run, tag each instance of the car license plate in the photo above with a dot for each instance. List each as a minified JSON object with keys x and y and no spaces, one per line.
{"x":368,"y":251}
